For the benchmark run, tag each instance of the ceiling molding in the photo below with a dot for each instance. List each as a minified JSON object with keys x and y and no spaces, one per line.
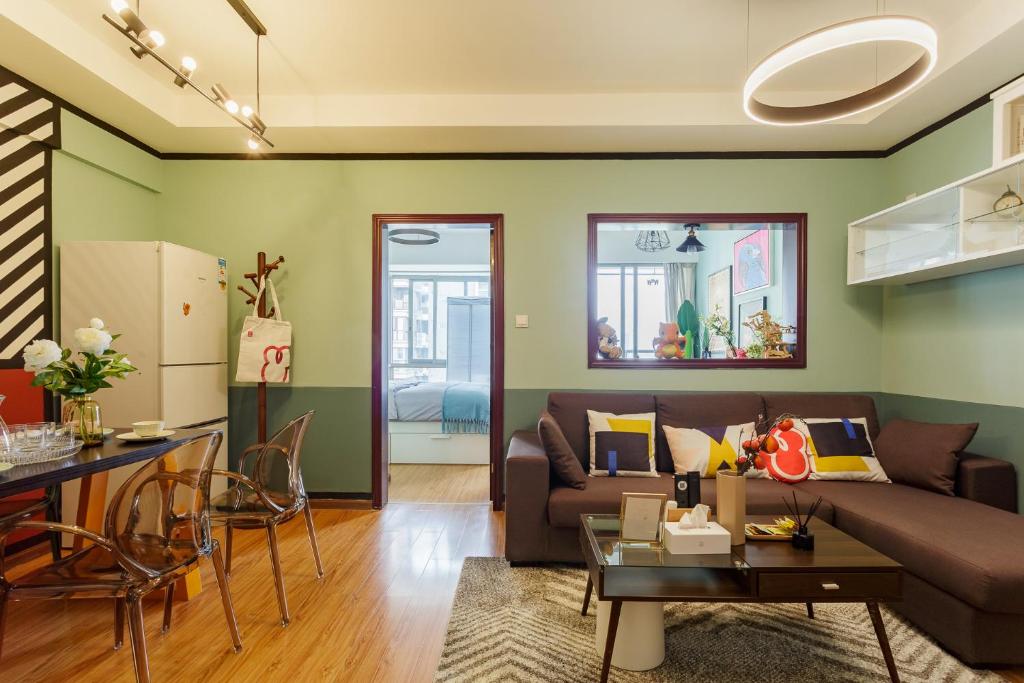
{"x":516,"y":156}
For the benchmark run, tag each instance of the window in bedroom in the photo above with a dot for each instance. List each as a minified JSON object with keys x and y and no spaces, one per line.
{"x":419,"y":332}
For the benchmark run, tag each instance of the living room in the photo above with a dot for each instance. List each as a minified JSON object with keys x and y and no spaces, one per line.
{"x":559,"y":129}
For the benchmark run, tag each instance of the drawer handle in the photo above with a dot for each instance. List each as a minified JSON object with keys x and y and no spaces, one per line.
{"x":830,"y":586}
{"x":440,"y":437}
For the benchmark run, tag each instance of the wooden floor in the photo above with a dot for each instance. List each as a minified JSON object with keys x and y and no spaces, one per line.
{"x":440,"y":483}
{"x":379,"y":614}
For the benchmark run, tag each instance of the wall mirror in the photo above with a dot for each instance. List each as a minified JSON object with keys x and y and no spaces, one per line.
{"x":697,"y":290}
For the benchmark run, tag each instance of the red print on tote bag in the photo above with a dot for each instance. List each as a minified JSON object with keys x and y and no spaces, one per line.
{"x":275,"y":364}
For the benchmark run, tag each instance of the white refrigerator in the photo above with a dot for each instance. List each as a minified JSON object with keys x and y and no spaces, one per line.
{"x":169,"y":303}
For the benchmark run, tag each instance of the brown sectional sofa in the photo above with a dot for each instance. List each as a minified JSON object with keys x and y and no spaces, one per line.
{"x":963,"y":555}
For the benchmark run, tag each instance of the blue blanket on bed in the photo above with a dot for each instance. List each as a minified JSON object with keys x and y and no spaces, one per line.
{"x":466,"y":408}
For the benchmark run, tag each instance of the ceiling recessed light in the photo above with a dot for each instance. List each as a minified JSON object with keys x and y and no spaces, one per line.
{"x":844,"y":34}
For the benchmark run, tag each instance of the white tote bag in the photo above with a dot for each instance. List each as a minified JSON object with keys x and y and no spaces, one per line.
{"x":264,"y":350}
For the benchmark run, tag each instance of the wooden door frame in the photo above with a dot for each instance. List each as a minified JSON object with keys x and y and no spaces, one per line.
{"x":379,"y":426}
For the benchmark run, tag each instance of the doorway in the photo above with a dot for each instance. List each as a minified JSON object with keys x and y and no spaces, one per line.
{"x":437,"y":359}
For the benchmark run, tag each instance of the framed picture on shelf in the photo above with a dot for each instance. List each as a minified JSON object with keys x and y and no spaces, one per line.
{"x":720,"y":297}
{"x":752,"y":261}
{"x":744,"y":335}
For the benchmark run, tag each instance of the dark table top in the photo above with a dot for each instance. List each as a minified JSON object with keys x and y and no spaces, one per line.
{"x":111,"y":454}
{"x":834,"y":550}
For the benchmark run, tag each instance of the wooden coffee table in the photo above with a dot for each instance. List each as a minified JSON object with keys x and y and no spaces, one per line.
{"x":839,"y":569}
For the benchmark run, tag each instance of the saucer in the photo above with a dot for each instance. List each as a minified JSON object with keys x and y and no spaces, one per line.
{"x":132,"y":436}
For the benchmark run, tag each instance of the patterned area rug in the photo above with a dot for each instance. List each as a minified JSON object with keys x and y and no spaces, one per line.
{"x":524,"y":624}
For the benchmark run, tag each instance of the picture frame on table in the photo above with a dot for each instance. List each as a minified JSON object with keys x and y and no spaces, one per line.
{"x":744,"y":335}
{"x":720,"y":296}
{"x":641,"y":516}
{"x":752,"y":262}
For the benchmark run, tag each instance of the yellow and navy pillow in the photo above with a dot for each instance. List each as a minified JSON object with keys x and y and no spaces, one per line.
{"x":841,"y":449}
{"x":621,"y":445}
{"x":708,"y":449}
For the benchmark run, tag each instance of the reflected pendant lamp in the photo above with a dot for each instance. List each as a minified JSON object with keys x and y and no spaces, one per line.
{"x":876,"y":29}
{"x":691,"y":244}
{"x":650,"y":241}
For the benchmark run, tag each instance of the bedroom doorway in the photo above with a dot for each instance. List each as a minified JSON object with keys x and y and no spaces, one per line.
{"x":437,"y":382}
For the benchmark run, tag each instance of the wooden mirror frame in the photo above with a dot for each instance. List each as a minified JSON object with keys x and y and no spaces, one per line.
{"x":799,"y":359}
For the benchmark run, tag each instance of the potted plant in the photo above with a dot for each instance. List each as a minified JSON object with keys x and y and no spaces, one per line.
{"x":77,"y":380}
{"x":717,"y":325}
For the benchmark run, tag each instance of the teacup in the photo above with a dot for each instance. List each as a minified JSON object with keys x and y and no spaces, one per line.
{"x":148,"y":427}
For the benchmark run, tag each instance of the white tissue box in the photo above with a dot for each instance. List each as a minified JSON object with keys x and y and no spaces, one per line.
{"x":711,"y":540}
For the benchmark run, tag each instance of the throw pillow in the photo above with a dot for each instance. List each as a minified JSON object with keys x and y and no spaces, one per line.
{"x":922,"y":454}
{"x":791,"y":462}
{"x":629,"y":450}
{"x":841,"y":449}
{"x":563,"y":459}
{"x":708,"y":449}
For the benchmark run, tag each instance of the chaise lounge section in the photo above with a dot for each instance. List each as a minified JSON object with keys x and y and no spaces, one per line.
{"x":963,"y":555}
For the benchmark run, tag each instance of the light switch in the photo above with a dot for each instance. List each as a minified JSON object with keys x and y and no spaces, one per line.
{"x":522,"y":320}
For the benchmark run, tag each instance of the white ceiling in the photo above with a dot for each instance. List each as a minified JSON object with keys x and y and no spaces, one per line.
{"x":489,"y":76}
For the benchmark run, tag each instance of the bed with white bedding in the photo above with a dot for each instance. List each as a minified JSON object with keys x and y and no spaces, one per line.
{"x":439,"y":422}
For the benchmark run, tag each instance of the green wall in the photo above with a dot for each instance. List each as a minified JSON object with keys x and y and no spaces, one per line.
{"x":103,"y":189}
{"x":318,"y":214}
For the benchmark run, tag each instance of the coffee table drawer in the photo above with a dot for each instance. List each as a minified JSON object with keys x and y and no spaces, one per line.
{"x":830,"y":585}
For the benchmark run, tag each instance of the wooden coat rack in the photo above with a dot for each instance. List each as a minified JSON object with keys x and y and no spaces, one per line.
{"x":263,"y":269}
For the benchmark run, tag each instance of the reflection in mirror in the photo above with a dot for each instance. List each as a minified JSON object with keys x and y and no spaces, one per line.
{"x":697,"y":291}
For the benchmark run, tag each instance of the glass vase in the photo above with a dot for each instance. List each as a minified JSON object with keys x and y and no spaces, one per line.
{"x":84,"y":413}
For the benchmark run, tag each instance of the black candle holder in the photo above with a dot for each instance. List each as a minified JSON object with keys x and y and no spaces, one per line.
{"x":802,"y":538}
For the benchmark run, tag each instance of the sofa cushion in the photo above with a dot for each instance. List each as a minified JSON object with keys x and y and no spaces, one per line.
{"x":922,"y":454}
{"x":635,"y":457}
{"x":564,"y":462}
{"x":841,"y":449}
{"x":823,"y":405}
{"x":965,"y":548}
{"x":706,"y":449}
{"x":603,"y":495}
{"x":702,"y":409}
{"x":570,"y":411}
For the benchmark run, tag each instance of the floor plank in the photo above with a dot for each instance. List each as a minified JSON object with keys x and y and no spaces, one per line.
{"x":439,"y":483}
{"x":379,"y":614}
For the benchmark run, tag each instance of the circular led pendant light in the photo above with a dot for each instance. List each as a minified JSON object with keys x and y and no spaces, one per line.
{"x":421,"y":237}
{"x":844,"y":34}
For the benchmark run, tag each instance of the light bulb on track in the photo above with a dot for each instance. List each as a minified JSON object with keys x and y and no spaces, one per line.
{"x":253,"y":143}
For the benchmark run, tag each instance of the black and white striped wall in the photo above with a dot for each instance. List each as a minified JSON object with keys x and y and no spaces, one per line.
{"x":29,"y":131}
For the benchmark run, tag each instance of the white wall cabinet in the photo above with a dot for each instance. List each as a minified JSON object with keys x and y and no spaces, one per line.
{"x":950,"y":231}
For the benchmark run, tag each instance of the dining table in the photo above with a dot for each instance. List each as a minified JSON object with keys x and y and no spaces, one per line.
{"x":92,"y":465}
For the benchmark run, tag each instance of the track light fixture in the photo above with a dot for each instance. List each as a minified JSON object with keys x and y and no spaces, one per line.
{"x":185,"y":71}
{"x":146,"y":41}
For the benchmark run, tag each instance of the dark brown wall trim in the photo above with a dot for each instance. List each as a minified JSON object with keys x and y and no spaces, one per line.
{"x":64,"y":104}
{"x":515,"y":156}
{"x":521,"y":156}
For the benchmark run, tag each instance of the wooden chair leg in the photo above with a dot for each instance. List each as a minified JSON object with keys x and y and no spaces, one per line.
{"x":168,"y":607}
{"x":275,"y":558}
{"x":810,"y":610}
{"x":225,"y":597}
{"x":3,"y":617}
{"x":227,"y":549}
{"x":118,"y":623}
{"x":137,"y":631}
{"x":312,"y":541}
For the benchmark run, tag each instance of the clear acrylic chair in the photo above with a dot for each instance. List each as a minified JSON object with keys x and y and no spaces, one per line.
{"x":256,"y":502}
{"x":157,"y":526}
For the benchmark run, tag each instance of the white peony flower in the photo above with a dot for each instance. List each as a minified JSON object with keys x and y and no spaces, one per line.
{"x":96,"y":324}
{"x":92,"y":340}
{"x":40,"y":353}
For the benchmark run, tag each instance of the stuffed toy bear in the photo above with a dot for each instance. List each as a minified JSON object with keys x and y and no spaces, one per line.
{"x":607,"y":340}
{"x":669,"y":343}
